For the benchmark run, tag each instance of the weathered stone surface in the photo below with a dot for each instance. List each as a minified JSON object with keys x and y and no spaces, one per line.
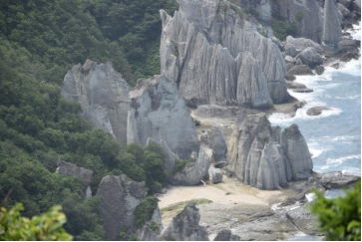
{"x":218,"y":144}
{"x":119,"y":197}
{"x":306,"y":15}
{"x":226,"y":235}
{"x":152,"y":234}
{"x":102,"y":94}
{"x":185,"y":226}
{"x":309,"y":56}
{"x":215,"y":175}
{"x":304,"y":220}
{"x":331,"y":27}
{"x":315,"y":111}
{"x":194,"y":172}
{"x":303,"y":90}
{"x":336,"y":179}
{"x":300,"y":70}
{"x":297,"y":153}
{"x":160,"y":113}
{"x":319,"y":70}
{"x":68,"y":169}
{"x":263,"y":156}
{"x":348,"y":44}
{"x":293,"y":46}
{"x":205,"y":56}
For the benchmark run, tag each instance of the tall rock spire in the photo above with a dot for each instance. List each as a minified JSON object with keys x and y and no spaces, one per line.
{"x":332,"y":27}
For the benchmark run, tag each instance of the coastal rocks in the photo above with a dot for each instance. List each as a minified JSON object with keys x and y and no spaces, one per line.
{"x":103,"y":96}
{"x":331,"y":27}
{"x":334,"y":180}
{"x":293,"y":46}
{"x":194,"y":172}
{"x":296,"y":151}
{"x":217,"y":63}
{"x":185,"y":226}
{"x":226,"y":235}
{"x":119,"y":197}
{"x":315,"y":111}
{"x":309,"y":56}
{"x":300,"y":70}
{"x":266,"y":157}
{"x":68,"y":169}
{"x":160,"y":113}
{"x":304,"y":220}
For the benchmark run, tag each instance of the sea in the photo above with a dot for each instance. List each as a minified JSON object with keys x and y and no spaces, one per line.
{"x":334,"y":137}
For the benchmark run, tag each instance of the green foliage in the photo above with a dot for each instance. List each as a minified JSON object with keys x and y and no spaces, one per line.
{"x":181,"y":164}
{"x":340,"y":218}
{"x":47,"y":226}
{"x":282,"y":29}
{"x":144,"y":211}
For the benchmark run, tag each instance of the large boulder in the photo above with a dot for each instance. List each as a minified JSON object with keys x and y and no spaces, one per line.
{"x":268,"y":157}
{"x":300,"y":70}
{"x":119,"y":197}
{"x":215,"y":175}
{"x":159,"y":112}
{"x":310,"y":57}
{"x":103,"y":96}
{"x":218,"y":63}
{"x":185,"y":226}
{"x":293,"y":46}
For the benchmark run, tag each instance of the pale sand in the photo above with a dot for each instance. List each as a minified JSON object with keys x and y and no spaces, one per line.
{"x":230,"y":192}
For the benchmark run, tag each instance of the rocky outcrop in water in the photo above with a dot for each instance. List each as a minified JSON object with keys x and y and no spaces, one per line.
{"x":216,"y":57}
{"x":332,"y":27}
{"x":267,"y":157}
{"x":119,"y":197}
{"x":185,"y":226}
{"x":102,"y":94}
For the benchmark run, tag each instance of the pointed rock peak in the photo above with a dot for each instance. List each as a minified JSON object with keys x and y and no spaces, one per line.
{"x":332,"y":28}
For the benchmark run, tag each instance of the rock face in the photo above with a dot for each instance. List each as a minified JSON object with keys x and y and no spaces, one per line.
{"x":194,"y":172}
{"x":294,"y":46}
{"x":315,"y":111}
{"x":215,"y":175}
{"x":68,"y":169}
{"x":160,"y":113}
{"x":119,"y":197}
{"x":208,"y":49}
{"x":226,"y":235}
{"x":266,"y":157}
{"x":331,"y":27}
{"x":306,"y":15}
{"x":185,"y":226}
{"x":309,"y":56}
{"x":102,"y":94}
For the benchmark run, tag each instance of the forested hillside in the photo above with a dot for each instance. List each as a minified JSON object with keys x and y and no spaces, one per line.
{"x":39,"y":41}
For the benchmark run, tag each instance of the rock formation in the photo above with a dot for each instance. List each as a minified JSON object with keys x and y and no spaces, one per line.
{"x":119,"y":197}
{"x":194,"y":172}
{"x":216,"y":57}
{"x":306,"y":15}
{"x":332,"y":27}
{"x":226,"y":235}
{"x":160,"y":113}
{"x":102,"y":94}
{"x":185,"y":226}
{"x":267,"y":157}
{"x":68,"y":169}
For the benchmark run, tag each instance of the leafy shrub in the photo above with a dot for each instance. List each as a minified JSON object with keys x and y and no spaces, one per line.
{"x":282,"y":29}
{"x":340,"y":218}
{"x":144,"y":211}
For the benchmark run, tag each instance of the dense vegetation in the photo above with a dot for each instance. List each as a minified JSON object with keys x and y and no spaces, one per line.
{"x":39,"y":41}
{"x":340,"y":218}
{"x":47,"y":226}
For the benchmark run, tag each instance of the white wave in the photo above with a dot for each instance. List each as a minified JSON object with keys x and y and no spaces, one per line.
{"x":343,"y":138}
{"x":315,"y":152}
{"x":310,"y":197}
{"x":355,"y":31}
{"x":341,"y":160}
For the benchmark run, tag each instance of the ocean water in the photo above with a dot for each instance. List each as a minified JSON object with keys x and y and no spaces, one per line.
{"x":334,"y":137}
